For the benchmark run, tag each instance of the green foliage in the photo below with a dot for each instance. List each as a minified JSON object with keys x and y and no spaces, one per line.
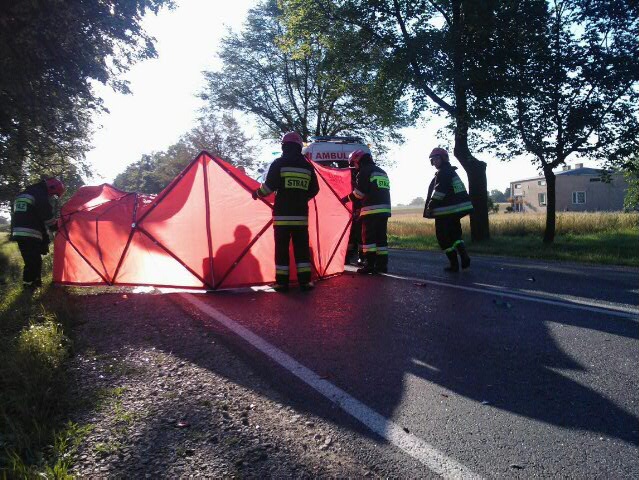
{"x":33,"y":351}
{"x":498,"y":196}
{"x":221,"y":136}
{"x":572,"y":86}
{"x":572,"y":82}
{"x":289,"y":73}
{"x":419,"y":201}
{"x":50,"y":52}
{"x":492,"y":206}
{"x":631,"y":175}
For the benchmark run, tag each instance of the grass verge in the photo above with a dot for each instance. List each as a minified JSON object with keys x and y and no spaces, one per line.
{"x":604,"y":238}
{"x":35,"y":440}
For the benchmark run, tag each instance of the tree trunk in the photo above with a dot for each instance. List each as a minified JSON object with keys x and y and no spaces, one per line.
{"x":475,"y":169}
{"x":477,"y":184}
{"x":549,"y":233}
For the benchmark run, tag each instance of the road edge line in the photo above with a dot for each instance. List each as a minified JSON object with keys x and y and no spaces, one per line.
{"x":433,"y":459}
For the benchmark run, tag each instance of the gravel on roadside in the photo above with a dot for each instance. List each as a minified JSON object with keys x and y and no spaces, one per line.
{"x":163,"y":397}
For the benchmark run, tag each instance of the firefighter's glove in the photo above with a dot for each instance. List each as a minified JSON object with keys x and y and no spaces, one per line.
{"x":345,"y":200}
{"x":254,"y":195}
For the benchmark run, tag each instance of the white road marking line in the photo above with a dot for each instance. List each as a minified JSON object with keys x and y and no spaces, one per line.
{"x":503,"y":292}
{"x":432,"y":458}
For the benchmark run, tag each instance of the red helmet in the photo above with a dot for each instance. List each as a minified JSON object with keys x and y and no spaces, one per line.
{"x":54,"y":186}
{"x":293,"y":137}
{"x":439,"y":152}
{"x":354,"y":158}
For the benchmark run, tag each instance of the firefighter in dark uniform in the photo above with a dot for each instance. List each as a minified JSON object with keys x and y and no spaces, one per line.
{"x":372,"y":189}
{"x":32,"y":215}
{"x":294,"y":181}
{"x":447,"y":202}
{"x":354,"y":253}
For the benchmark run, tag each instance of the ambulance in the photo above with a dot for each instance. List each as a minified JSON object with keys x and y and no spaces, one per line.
{"x":333,"y":151}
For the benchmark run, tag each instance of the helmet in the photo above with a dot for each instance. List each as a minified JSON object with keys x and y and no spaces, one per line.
{"x":355,"y":157}
{"x":293,"y":137}
{"x":55,"y":186}
{"x":439,"y":152}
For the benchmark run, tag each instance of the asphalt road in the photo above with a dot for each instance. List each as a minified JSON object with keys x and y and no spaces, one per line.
{"x":511,"y":369}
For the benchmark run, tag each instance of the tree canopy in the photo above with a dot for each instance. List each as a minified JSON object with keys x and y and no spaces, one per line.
{"x":301,"y":82}
{"x":444,"y":56}
{"x":50,"y":52}
{"x":573,"y":87}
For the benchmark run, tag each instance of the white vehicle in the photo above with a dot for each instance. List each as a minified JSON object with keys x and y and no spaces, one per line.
{"x":333,"y":151}
{"x":327,"y":151}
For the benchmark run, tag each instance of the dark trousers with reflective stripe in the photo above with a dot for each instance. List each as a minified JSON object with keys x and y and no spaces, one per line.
{"x":31,"y":250}
{"x":448,"y":231}
{"x":374,"y":239}
{"x":283,"y":236}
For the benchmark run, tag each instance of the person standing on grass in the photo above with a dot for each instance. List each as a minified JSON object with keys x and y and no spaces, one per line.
{"x":294,"y":181}
{"x":32,"y":215}
{"x":447,"y":202}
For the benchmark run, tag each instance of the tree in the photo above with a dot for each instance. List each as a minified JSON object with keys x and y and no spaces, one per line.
{"x":497,"y":196}
{"x":296,"y":83}
{"x":444,"y":55}
{"x":419,"y":201}
{"x":50,"y":52}
{"x":574,"y":86}
{"x":631,"y":175}
{"x":219,"y":135}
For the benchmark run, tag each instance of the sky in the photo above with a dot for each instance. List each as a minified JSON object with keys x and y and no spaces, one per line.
{"x":163,"y":105}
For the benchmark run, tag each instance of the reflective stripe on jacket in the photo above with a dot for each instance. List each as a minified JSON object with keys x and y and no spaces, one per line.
{"x":294,"y":181}
{"x":447,"y":194}
{"x":32,"y":213}
{"x":372,"y":190}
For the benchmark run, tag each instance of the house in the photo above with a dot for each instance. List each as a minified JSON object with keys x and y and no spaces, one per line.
{"x":579,"y":189}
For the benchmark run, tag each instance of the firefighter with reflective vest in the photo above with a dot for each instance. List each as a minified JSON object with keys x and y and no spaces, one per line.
{"x":33,"y":214}
{"x":372,"y":190}
{"x":447,"y":202}
{"x":294,"y":181}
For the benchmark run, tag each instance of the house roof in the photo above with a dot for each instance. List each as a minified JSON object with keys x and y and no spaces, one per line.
{"x":575,"y":171}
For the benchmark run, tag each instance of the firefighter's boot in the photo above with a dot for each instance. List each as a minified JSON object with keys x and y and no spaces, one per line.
{"x":382,"y":263}
{"x":454,"y":263}
{"x":369,"y":264}
{"x":280,"y":287}
{"x":463,"y":255}
{"x":351,"y":256}
{"x":307,"y":287}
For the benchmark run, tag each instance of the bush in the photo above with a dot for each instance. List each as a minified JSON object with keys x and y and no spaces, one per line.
{"x":33,"y":391}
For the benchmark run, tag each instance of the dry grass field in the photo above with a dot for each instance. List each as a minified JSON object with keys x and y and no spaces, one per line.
{"x":600,"y":237}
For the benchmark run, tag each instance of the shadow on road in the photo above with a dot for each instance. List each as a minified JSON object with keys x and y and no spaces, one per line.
{"x":366,"y":335}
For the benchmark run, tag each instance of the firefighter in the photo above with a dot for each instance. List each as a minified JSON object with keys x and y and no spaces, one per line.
{"x":354,"y":253}
{"x":294,"y":181}
{"x":447,"y":202}
{"x":372,"y":189}
{"x":32,"y":215}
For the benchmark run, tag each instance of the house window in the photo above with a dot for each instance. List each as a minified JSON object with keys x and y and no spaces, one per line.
{"x":578,"y":197}
{"x":542,"y":199}
{"x":541,"y":183}
{"x":518,"y":185}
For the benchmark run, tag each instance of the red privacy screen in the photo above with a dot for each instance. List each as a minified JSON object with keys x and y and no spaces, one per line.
{"x":202,"y":231}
